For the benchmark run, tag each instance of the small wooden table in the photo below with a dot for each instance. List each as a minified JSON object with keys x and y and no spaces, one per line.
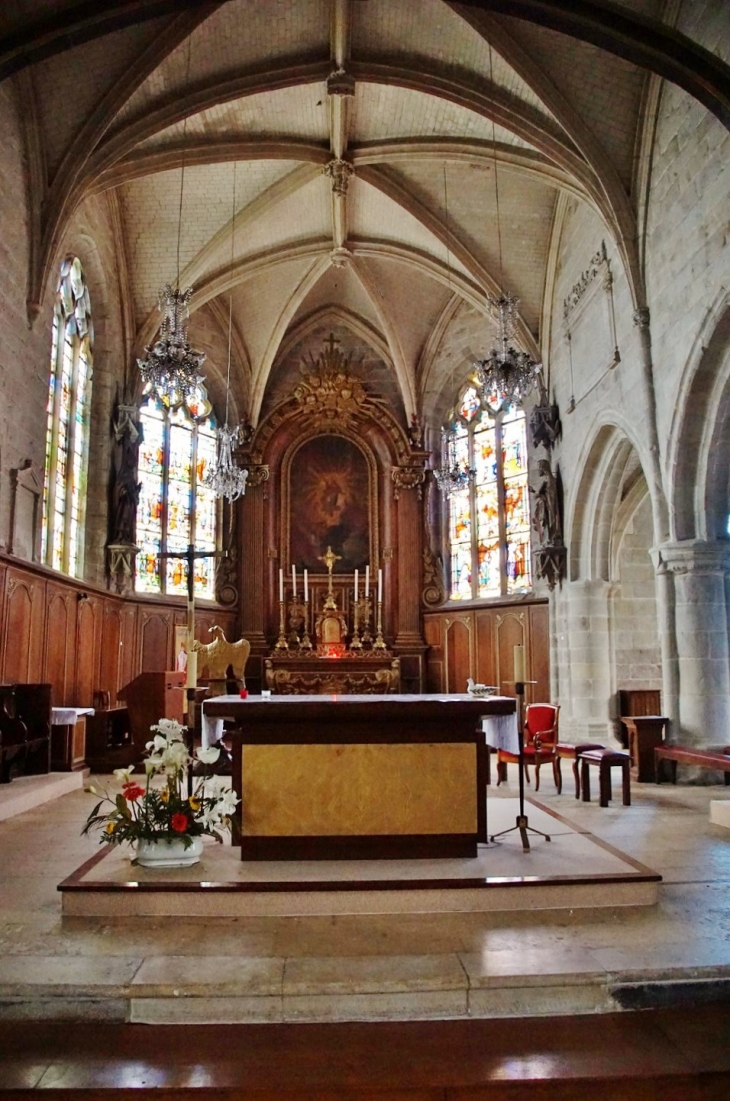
{"x":605,"y":759}
{"x":645,"y":733}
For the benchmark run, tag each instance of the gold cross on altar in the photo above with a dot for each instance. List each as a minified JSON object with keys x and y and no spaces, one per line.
{"x":329,"y":560}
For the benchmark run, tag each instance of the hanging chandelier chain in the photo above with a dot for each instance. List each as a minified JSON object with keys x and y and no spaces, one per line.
{"x":230,"y":291}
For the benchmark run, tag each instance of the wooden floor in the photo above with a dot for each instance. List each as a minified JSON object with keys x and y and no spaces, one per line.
{"x":659,"y":1055}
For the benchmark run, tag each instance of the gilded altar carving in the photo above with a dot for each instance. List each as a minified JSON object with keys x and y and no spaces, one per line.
{"x":332,"y":676}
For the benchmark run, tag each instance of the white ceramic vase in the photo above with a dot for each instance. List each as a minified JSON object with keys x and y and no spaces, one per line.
{"x":168,"y":852}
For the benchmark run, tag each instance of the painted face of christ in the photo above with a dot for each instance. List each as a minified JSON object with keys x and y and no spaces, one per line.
{"x":329,"y":490}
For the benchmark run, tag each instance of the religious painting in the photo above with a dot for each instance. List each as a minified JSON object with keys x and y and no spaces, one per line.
{"x":329,"y":494}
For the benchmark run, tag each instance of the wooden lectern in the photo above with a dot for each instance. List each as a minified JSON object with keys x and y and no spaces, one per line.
{"x":149,"y":698}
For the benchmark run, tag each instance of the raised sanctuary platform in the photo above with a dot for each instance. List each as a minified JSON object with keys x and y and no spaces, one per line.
{"x":574,"y":870}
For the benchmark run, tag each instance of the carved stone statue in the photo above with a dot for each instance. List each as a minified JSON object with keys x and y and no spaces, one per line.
{"x":125,"y":492}
{"x":546,"y":515}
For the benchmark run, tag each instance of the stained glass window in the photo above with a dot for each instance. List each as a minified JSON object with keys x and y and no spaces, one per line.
{"x":175,"y":508}
{"x":67,"y":422}
{"x":489,"y":521}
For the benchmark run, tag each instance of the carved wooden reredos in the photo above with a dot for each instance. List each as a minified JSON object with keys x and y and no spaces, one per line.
{"x":331,"y":448}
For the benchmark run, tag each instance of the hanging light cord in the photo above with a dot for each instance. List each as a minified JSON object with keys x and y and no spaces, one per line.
{"x":182,"y":166}
{"x":496,"y":183}
{"x":230,"y":293}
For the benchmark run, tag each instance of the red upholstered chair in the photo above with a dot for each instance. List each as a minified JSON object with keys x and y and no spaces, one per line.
{"x":540,"y":740}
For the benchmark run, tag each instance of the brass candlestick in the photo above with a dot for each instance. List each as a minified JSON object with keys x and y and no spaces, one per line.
{"x":281,"y":644}
{"x":306,"y":643}
{"x":364,"y":619}
{"x":356,"y":644}
{"x":379,"y":643}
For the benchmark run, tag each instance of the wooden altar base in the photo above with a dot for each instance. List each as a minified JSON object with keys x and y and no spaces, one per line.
{"x":575,"y":870}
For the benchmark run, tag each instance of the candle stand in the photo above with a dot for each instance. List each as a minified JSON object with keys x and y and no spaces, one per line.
{"x":356,"y":644}
{"x":281,"y":643}
{"x":306,"y":643}
{"x":379,"y":643}
{"x":522,"y":824}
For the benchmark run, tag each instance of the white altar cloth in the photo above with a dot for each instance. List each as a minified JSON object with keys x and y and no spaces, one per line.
{"x":68,"y":716}
{"x":500,"y":731}
{"x":211,"y":729}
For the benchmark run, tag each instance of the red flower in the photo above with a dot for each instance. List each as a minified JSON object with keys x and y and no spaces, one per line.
{"x":179,"y":823}
{"x":132,"y":792}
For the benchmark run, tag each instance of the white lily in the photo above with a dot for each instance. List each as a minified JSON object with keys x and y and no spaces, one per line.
{"x":209,"y":755}
{"x":123,"y":774}
{"x":153,"y":764}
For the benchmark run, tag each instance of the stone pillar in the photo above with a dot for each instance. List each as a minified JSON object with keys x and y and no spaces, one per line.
{"x":588,"y":653}
{"x":700,"y":572}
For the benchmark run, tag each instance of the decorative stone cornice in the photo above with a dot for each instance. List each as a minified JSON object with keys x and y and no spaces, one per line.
{"x":692,"y":556}
{"x":339,"y":171}
{"x":340,"y":257}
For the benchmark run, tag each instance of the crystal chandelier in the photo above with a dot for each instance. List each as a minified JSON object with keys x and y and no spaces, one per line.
{"x":226,"y":478}
{"x":454,"y":473}
{"x":171,"y":368}
{"x":507,"y":375}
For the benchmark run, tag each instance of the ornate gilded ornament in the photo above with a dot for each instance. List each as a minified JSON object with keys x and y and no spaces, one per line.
{"x":328,"y":390}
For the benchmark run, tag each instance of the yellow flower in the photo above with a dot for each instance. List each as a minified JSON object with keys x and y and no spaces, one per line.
{"x":194,"y":803}
{"x":109,"y":828}
{"x":165,"y":795}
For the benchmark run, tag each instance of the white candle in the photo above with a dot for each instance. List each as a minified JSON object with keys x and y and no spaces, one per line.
{"x":519,"y":657}
{"x":281,"y":586}
{"x":357,"y":583}
{"x":380,"y":586}
{"x":306,"y":587}
{"x":367,"y":582}
{"x":294,"y":582}
{"x":192,"y":669}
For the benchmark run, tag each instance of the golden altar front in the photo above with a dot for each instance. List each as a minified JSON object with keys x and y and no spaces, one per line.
{"x":302,"y":674}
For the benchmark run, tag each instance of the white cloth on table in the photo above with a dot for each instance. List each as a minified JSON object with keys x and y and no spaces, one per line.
{"x":68,"y":716}
{"x":500,"y":731}
{"x":211,"y":727}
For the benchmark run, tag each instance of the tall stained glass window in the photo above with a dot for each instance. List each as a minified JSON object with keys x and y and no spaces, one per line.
{"x":67,"y":423}
{"x":175,"y":508}
{"x":489,"y":520}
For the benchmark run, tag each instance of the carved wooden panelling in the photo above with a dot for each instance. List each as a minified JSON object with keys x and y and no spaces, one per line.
{"x":109,"y":673}
{"x":539,"y":653}
{"x":458,"y":653}
{"x":128,"y":651}
{"x":23,"y":628}
{"x":155,"y":641}
{"x":59,"y":646}
{"x":86,"y":652}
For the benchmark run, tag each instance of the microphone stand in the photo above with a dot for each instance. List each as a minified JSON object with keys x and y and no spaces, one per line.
{"x":522,"y":824}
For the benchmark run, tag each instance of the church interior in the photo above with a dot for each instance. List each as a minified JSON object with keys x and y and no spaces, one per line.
{"x":378,"y":351}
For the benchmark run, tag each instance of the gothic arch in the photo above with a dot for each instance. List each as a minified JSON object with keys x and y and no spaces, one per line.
{"x":699,"y":487}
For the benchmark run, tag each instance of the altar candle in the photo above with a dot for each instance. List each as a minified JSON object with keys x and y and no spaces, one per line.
{"x":192,"y":670}
{"x":294,"y":582}
{"x":281,"y":586}
{"x":357,"y":583}
{"x":306,"y":587}
{"x":367,"y":582}
{"x":519,"y":657}
{"x":380,"y":586}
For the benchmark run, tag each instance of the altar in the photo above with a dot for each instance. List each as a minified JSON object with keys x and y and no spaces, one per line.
{"x":368,"y":673}
{"x":358,"y":776}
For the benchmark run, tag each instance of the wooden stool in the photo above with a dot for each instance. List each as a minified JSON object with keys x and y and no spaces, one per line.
{"x":568,"y":752}
{"x":605,"y":759}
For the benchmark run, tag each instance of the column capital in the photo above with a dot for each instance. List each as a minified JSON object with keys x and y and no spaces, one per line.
{"x":696,"y":556}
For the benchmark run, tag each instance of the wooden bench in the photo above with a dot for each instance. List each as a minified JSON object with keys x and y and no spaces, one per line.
{"x":717,"y":759}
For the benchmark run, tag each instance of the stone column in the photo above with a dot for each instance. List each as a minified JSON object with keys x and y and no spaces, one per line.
{"x":700,"y":571}
{"x":588,"y":654}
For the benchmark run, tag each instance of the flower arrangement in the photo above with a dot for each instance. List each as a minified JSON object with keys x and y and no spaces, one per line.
{"x":161,"y":812}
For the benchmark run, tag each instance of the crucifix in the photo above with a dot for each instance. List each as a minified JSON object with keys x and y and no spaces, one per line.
{"x":189,"y":557}
{"x":329,"y":560}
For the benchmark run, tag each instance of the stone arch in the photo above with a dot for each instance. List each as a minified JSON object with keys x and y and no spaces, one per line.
{"x":699,"y":479}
